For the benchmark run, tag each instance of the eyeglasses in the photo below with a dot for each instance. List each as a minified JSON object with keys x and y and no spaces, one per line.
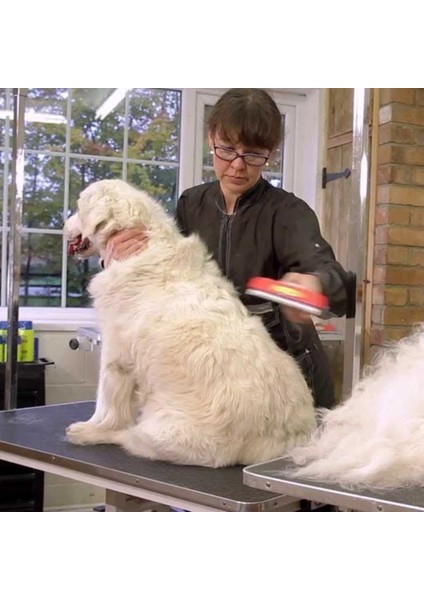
{"x":228,"y":154}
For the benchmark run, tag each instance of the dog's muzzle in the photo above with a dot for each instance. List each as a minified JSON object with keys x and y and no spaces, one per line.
{"x":78,"y":245}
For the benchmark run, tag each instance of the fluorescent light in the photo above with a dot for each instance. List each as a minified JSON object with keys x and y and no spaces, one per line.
{"x":35,"y":117}
{"x":111,"y":102}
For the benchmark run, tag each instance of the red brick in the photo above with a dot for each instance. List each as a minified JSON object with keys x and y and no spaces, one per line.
{"x":388,"y":95}
{"x":382,"y":335}
{"x":400,"y":154}
{"x":398,"y":275}
{"x":389,"y":295}
{"x":401,"y":113}
{"x":419,"y":96}
{"x":389,"y":153}
{"x":419,"y":135}
{"x":397,"y":132}
{"x":395,"y":174}
{"x":416,"y":296}
{"x":412,"y":195}
{"x":377,"y":315}
{"x":381,"y":234}
{"x":415,"y":257}
{"x":410,"y":155}
{"x":394,"y":315}
{"x":397,"y":255}
{"x":387,"y":214}
{"x":405,"y":236}
{"x":417,"y":175}
{"x":417,"y":216}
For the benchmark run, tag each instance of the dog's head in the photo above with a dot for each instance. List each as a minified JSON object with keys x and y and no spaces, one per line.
{"x":104,"y":208}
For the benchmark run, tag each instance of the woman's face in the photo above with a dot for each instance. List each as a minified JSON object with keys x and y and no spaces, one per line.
{"x":236,"y":177}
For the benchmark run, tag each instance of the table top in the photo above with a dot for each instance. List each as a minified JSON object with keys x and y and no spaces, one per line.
{"x":274,"y":476}
{"x":39,"y":433}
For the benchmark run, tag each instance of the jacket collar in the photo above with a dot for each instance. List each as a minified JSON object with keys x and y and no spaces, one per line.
{"x":246,"y":198}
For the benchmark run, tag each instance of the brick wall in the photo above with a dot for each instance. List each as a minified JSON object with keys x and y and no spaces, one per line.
{"x":398,"y":279}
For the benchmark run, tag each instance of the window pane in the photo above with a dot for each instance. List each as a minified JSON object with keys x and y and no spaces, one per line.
{"x":45,"y":104}
{"x":41,"y":269}
{"x":208,"y":175}
{"x":43,"y":191}
{"x":154,"y":124}
{"x":5,"y":185}
{"x":86,"y":171}
{"x":1,"y":186}
{"x":79,"y":274}
{"x":274,"y":179}
{"x":93,"y":135}
{"x":207,"y":156}
{"x":2,"y":119}
{"x":275,"y":164}
{"x":137,"y":139}
{"x":159,"y":182}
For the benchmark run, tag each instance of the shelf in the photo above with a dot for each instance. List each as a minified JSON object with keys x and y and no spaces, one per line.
{"x":38,"y":364}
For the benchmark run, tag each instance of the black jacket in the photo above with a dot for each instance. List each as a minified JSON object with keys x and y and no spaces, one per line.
{"x":270,"y":233}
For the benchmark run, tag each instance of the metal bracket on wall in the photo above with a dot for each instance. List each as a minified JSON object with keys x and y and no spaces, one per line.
{"x":327,"y":177}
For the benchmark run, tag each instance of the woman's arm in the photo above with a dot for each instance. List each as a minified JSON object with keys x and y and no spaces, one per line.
{"x":301,"y":249}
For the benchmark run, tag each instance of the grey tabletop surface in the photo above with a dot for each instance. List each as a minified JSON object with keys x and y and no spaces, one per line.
{"x":39,"y":433}
{"x":275,"y":476}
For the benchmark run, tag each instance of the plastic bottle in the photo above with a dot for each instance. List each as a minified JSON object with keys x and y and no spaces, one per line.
{"x":26,"y":333}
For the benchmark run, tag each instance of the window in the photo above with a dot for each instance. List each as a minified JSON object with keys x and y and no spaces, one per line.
{"x":153,"y":138}
{"x":72,"y":138}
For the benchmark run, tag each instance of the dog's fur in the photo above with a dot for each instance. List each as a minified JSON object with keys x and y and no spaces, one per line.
{"x":375,"y":438}
{"x":187,"y":375}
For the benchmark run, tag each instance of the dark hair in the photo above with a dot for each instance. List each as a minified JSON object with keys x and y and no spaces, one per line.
{"x":248,"y":116}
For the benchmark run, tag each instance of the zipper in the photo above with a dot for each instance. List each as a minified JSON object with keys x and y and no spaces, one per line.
{"x":224,"y":251}
{"x":225,"y":243}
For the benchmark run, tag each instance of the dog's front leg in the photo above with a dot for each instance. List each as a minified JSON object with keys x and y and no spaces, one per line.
{"x":115,"y":405}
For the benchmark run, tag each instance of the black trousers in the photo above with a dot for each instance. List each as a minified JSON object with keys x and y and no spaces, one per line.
{"x":303,"y":343}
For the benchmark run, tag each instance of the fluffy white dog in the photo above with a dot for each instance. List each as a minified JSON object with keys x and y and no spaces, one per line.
{"x":187,"y":375}
{"x":375,"y":438}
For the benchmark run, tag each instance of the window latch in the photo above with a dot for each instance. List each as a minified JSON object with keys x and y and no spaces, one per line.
{"x":327,"y":177}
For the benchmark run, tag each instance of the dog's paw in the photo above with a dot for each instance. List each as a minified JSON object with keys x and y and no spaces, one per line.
{"x":84,"y":432}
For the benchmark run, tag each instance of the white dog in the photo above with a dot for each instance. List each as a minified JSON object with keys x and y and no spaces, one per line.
{"x":187,"y":375}
{"x":375,"y":438}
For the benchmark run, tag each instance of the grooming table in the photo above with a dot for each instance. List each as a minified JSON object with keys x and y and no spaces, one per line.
{"x":270,"y":476}
{"x":35,"y":437}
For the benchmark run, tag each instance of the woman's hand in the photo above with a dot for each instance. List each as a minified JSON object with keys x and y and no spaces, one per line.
{"x":124,"y":244}
{"x":310,"y":282}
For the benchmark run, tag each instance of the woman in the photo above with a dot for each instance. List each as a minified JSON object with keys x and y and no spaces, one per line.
{"x":254,"y":229}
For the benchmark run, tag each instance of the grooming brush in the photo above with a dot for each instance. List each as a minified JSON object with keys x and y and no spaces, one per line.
{"x":289,"y":294}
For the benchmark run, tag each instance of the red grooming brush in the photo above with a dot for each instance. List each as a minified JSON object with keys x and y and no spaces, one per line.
{"x":288,"y":294}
